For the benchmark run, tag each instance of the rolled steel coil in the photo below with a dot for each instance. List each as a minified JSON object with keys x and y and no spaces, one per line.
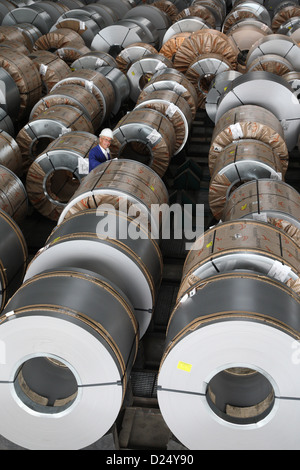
{"x":175,"y":108}
{"x":119,"y":8}
{"x":9,"y":94}
{"x":141,"y":71}
{"x":200,"y":11}
{"x":13,"y":196}
{"x":287,"y":27}
{"x":6,"y":123}
{"x":238,"y":163}
{"x":12,"y":33}
{"x":230,"y":324}
{"x":10,"y":154}
{"x":216,"y":89}
{"x":60,"y":38}
{"x":54,"y":9}
{"x":185,"y":25}
{"x":72,"y":52}
{"x":33,"y":14}
{"x":5,"y":7}
{"x":168,"y":7}
{"x":14,"y":46}
{"x":13,"y":256}
{"x":57,"y":374}
{"x":202,"y":72}
{"x":134,"y":265}
{"x":93,"y":60}
{"x":145,"y":135}
{"x":245,"y":10}
{"x":272,"y":201}
{"x":294,"y":79}
{"x":128,"y":185}
{"x":248,"y":122}
{"x":170,"y":47}
{"x":271,"y":63}
{"x":216,"y":7}
{"x":37,"y":134}
{"x":247,"y":245}
{"x":278,"y":44}
{"x":120,"y":84}
{"x":295,"y":34}
{"x":52,"y":69}
{"x":132,"y":53}
{"x":268,"y":91}
{"x":26,"y":78}
{"x":95,"y":83}
{"x":206,"y":41}
{"x":83,"y":13}
{"x":107,"y":14}
{"x":55,"y":175}
{"x":283,"y":15}
{"x":85,"y":26}
{"x":30,"y":33}
{"x":152,"y":37}
{"x":172,"y":79}
{"x":73,"y":95}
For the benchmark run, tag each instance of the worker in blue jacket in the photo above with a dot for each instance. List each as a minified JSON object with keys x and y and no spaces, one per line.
{"x":100,"y":153}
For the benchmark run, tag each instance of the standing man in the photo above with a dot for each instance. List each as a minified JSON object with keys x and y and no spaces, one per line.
{"x":100,"y":153}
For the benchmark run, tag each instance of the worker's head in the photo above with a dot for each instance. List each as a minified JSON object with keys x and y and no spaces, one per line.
{"x":105,"y":138}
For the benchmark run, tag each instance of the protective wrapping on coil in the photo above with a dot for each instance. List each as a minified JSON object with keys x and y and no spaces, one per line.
{"x":170,"y":47}
{"x":51,"y":68}
{"x":271,"y":63}
{"x":283,"y":15}
{"x":10,"y":154}
{"x":132,"y":53}
{"x":168,"y":7}
{"x":198,"y":10}
{"x":13,"y":196}
{"x":58,"y":39}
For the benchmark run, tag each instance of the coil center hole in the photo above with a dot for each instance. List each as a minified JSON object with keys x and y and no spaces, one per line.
{"x":61,"y":185}
{"x":240,"y":395}
{"x":46,"y":385}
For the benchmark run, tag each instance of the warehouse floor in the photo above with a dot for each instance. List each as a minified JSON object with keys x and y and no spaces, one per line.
{"x":140,"y":424}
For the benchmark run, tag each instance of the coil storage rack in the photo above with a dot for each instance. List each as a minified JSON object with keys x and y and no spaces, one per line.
{"x":154,"y":301}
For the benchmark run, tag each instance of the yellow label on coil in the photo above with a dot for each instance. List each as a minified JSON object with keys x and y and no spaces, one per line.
{"x":151,"y":187}
{"x":209,"y":244}
{"x":243,"y":207}
{"x":184,"y":366}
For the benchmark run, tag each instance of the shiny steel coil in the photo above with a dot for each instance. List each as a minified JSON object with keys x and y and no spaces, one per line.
{"x":37,"y":134}
{"x":202,"y":71}
{"x":247,"y":245}
{"x":10,"y":154}
{"x":94,"y":82}
{"x":271,"y":201}
{"x":230,"y":324}
{"x":6,"y":122}
{"x":248,"y":122}
{"x":283,"y":15}
{"x":294,"y":79}
{"x":141,"y":71}
{"x":295,"y":34}
{"x":120,"y":8}
{"x":247,"y":9}
{"x":13,"y":196}
{"x":134,"y":265}
{"x":175,"y":108}
{"x":205,"y":41}
{"x":278,"y":44}
{"x":198,"y":10}
{"x":269,"y":91}
{"x":72,"y":95}
{"x":185,"y":25}
{"x":53,"y":8}
{"x":93,"y":60}
{"x":86,"y":27}
{"x":13,"y":256}
{"x":127,"y":185}
{"x":5,"y":7}
{"x":26,"y":78}
{"x":217,"y":87}
{"x":107,"y":14}
{"x":145,"y":135}
{"x":287,"y":27}
{"x":87,"y":354}
{"x":271,"y":63}
{"x":239,"y":162}
{"x":52,"y":69}
{"x":83,"y":13}
{"x":172,"y":79}
{"x":170,"y":47}
{"x":120,"y":84}
{"x":132,"y":53}
{"x":9,"y":94}
{"x":30,"y":33}
{"x":33,"y":14}
{"x":55,"y":175}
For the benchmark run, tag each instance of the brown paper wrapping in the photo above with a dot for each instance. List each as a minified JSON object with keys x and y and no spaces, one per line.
{"x":238,"y":152}
{"x":176,"y":119}
{"x":205,"y":41}
{"x":12,"y":33}
{"x":284,"y":15}
{"x":81,"y":142}
{"x":69,"y":117}
{"x":245,"y":237}
{"x":13,"y":197}
{"x":10,"y":154}
{"x":256,"y":123}
{"x":189,"y":94}
{"x":25,"y":76}
{"x":271,"y":63}
{"x":72,"y":95}
{"x":202,"y":83}
{"x":234,"y":16}
{"x":201,"y":12}
{"x":168,"y":7}
{"x":72,"y":52}
{"x":171,"y":46}
{"x":124,"y":60}
{"x":162,"y":151}
{"x":58,"y":38}
{"x":245,"y":35}
{"x":15,"y":46}
{"x":55,"y":68}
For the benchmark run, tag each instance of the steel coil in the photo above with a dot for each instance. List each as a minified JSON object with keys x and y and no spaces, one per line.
{"x":33,"y":14}
{"x":107,"y":14}
{"x":13,"y":196}
{"x":10,"y":154}
{"x":245,"y":10}
{"x":132,"y":53}
{"x":52,"y":69}
{"x":216,"y":7}
{"x":9,"y":94}
{"x":198,"y":10}
{"x":37,"y":134}
{"x":67,"y":335}
{"x":283,"y":15}
{"x":217,"y":88}
{"x":185,"y":25}
{"x":271,"y":63}
{"x":55,"y":175}
{"x":93,"y":60}
{"x":120,"y":85}
{"x":168,"y":7}
{"x":30,"y":33}
{"x":86,"y":27}
{"x":58,"y":39}
{"x":170,"y":47}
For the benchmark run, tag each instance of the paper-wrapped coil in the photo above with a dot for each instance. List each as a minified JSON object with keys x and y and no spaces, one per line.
{"x":55,"y":175}
{"x":248,"y":122}
{"x":10,"y":154}
{"x":198,"y":10}
{"x":35,"y":136}
{"x":283,"y":15}
{"x":93,"y":60}
{"x":170,"y":47}
{"x":271,"y":63}
{"x":67,"y":352}
{"x":271,"y":201}
{"x":133,"y":264}
{"x":52,"y":69}
{"x":132,"y":53}
{"x":13,"y":196}
{"x":242,"y":245}
{"x":58,"y":39}
{"x":230,"y":324}
{"x":168,"y":7}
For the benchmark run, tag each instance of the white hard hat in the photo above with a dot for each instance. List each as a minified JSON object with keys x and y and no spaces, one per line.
{"x":106,"y":133}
